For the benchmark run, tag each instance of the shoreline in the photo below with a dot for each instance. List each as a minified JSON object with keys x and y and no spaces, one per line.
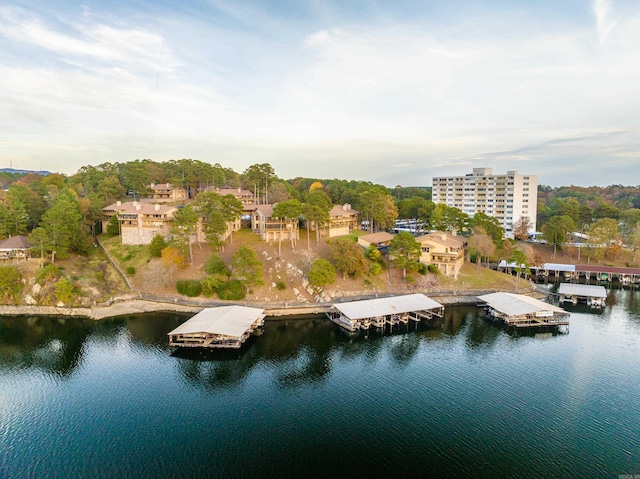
{"x":140,"y":306}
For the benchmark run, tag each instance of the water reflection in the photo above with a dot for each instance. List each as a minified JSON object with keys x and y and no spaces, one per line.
{"x":53,"y":345}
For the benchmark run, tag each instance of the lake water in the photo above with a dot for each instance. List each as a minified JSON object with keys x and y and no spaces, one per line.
{"x":461,"y":398}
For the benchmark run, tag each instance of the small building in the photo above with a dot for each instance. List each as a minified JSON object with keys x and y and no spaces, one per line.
{"x":443,"y":250}
{"x":140,"y":222}
{"x":523,"y":311}
{"x":590,"y":294}
{"x":381,"y":311}
{"x":15,"y":247}
{"x":342,"y":220}
{"x":270,"y":228}
{"x":223,"y":327}
{"x":245,"y":196}
{"x":166,"y":192}
{"x":381,"y":239}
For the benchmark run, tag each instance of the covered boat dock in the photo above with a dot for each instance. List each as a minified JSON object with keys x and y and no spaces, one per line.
{"x":381,"y":311}
{"x":223,"y":327}
{"x":573,"y":293}
{"x":523,"y":311}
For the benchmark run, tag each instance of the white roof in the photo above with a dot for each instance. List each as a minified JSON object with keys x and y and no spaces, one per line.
{"x":372,"y":308}
{"x":560,"y":267}
{"x":517,"y":304}
{"x":227,"y":320}
{"x":582,"y":290}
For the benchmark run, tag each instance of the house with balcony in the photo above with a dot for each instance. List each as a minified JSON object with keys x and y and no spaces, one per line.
{"x":15,"y":247}
{"x":270,"y":228}
{"x":140,"y":222}
{"x":166,"y":192}
{"x":444,"y":250}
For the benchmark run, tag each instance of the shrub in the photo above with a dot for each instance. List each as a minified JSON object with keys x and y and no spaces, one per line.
{"x":10,"y":284}
{"x":212,"y":283}
{"x":47,"y":272}
{"x":65,"y":291}
{"x":232,"y":290}
{"x":214,"y":264}
{"x":281,"y":285}
{"x":173,"y":257}
{"x":432,"y":268}
{"x":321,"y":273}
{"x":410,"y":279}
{"x":422,"y":268}
{"x":130,"y":270}
{"x":189,"y":287}
{"x":375,"y":269}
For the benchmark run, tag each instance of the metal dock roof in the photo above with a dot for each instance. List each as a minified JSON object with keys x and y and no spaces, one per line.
{"x":582,"y":290}
{"x":231,"y":321}
{"x":517,"y":304}
{"x":372,"y":308}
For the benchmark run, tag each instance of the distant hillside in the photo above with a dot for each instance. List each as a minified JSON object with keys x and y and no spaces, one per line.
{"x":13,"y":171}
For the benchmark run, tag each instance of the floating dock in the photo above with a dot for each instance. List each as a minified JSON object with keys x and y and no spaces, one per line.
{"x":592,"y":295}
{"x":223,"y":327}
{"x":523,"y":311}
{"x":381,"y":311}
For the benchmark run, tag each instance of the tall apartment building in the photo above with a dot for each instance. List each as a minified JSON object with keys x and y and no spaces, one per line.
{"x":505,"y":197}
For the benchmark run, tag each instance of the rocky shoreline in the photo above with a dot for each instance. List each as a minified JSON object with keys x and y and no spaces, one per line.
{"x":129,"y":306}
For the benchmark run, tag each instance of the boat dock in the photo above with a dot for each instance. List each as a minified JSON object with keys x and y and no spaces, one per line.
{"x":592,"y":295}
{"x":523,"y":311}
{"x":382,"y":311}
{"x":223,"y":327}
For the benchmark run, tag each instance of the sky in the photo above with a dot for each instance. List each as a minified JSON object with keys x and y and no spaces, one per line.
{"x":393,"y":92}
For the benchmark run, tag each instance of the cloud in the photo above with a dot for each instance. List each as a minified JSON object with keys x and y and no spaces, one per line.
{"x":604,"y":23}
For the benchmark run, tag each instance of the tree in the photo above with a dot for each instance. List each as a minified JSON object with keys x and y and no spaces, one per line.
{"x":62,"y":225}
{"x":378,"y":207}
{"x":210,"y":207}
{"x":10,"y":284}
{"x":521,"y":228}
{"x":258,"y":177}
{"x":490,"y":225}
{"x":110,"y":189}
{"x":288,"y":210}
{"x":404,"y":252}
{"x":185,"y":223}
{"x":156,"y":246}
{"x":483,"y":244}
{"x":316,"y":210}
{"x":603,"y":234}
{"x":173,"y":257}
{"x":348,"y":257}
{"x":448,"y":218}
{"x":321,"y":273}
{"x":521,"y":263}
{"x":246,"y":267}
{"x":556,"y":231}
{"x":113,"y":226}
{"x":231,"y":210}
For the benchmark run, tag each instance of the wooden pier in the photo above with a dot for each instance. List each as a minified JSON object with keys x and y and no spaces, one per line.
{"x":223,"y":327}
{"x":523,"y":311}
{"x":379,"y":312}
{"x":594,"y":296}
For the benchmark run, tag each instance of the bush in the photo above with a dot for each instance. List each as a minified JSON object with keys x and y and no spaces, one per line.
{"x":422,"y":268}
{"x":321,"y":273}
{"x":47,"y":272}
{"x":212,"y":283}
{"x":10,"y":284}
{"x":214,"y":264}
{"x":432,"y":268}
{"x":189,"y":287}
{"x":281,"y":285}
{"x":375,"y":269}
{"x":232,"y":290}
{"x":130,"y":270}
{"x":65,"y":292}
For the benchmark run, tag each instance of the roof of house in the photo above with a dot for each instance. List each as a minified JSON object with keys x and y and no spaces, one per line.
{"x":265,"y":210}
{"x":137,"y":207}
{"x":15,"y":242}
{"x":163,"y":186}
{"x":372,"y":308}
{"x":231,"y":321}
{"x":233,"y":191}
{"x":445,"y":239}
{"x":342,"y":210}
{"x":517,"y":304}
{"x":380,"y":237}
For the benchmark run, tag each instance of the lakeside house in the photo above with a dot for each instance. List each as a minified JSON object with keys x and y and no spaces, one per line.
{"x":444,"y":250}
{"x":272,"y":229}
{"x":381,"y":239}
{"x":166,"y":192}
{"x":140,"y":222}
{"x":244,"y":196}
{"x":342,"y":220}
{"x":15,"y":247}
